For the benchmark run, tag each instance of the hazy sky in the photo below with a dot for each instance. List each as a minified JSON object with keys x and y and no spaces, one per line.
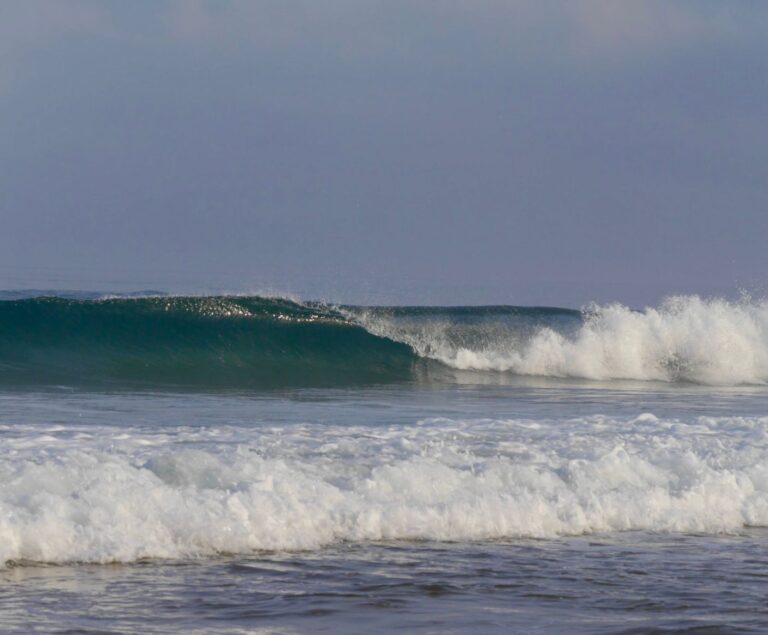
{"x":542,"y":152}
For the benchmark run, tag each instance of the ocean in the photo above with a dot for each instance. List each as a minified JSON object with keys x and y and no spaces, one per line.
{"x":253,"y":464}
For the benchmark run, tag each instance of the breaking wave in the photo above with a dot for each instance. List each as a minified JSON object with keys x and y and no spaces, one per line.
{"x":690,"y":339}
{"x":105,"y":494}
{"x":233,"y":341}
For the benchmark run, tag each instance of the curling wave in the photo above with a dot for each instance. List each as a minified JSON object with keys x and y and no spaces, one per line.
{"x":687,"y":338}
{"x":232,"y":341}
{"x":190,"y":341}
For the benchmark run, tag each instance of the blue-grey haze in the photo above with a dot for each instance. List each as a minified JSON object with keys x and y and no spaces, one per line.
{"x":423,"y":152}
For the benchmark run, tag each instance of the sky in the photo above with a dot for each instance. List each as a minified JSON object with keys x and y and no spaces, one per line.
{"x":454,"y":152}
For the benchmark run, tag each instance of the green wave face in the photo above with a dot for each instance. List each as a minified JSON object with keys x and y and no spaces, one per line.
{"x":247,"y":342}
{"x":190,"y":341}
{"x":256,"y":342}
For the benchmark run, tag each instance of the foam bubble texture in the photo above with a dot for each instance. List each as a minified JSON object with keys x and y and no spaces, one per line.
{"x":706,"y":341}
{"x":110,"y":494}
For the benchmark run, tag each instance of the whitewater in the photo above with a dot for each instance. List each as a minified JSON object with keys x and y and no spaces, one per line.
{"x":687,"y":338}
{"x":231,"y":341}
{"x":251,"y":463}
{"x":85,"y":494}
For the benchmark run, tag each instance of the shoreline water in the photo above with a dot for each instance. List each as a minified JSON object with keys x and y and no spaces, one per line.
{"x":442,"y":501}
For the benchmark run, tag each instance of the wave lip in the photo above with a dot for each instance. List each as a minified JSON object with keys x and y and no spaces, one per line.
{"x":686,"y":339}
{"x":259,"y":342}
{"x":119,"y":497}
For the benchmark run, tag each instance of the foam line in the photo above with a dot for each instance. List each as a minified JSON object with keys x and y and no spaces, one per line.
{"x":116,"y":494}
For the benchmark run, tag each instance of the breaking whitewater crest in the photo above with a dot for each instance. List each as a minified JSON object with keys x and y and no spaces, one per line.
{"x":252,"y":341}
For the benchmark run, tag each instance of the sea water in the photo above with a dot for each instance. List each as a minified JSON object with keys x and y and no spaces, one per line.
{"x":264,"y":465}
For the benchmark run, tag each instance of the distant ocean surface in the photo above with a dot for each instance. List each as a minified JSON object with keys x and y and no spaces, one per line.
{"x":239,"y":464}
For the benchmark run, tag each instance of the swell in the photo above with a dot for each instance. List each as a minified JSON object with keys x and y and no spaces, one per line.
{"x":233,"y":341}
{"x":211,"y":341}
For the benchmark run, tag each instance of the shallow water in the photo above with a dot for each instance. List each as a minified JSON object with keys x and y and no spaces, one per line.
{"x":628,"y":583}
{"x":481,"y":504}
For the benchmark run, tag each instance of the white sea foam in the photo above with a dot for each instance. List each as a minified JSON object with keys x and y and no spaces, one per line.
{"x":707,"y":341}
{"x":116,"y":494}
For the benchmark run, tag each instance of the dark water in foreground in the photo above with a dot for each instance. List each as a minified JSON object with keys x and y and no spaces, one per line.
{"x":629,"y":583}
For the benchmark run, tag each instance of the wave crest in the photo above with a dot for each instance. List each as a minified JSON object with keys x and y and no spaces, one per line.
{"x":233,"y":341}
{"x":687,"y":338}
{"x":122,"y":494}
